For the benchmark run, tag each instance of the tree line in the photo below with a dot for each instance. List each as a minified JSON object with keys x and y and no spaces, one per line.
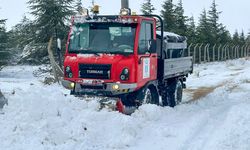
{"x":52,"y":19}
{"x":208,"y":28}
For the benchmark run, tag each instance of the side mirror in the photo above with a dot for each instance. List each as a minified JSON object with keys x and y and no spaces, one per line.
{"x":152,"y":46}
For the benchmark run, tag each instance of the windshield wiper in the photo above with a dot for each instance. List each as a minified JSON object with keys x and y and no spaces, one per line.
{"x":95,"y":53}
{"x":120,"y":53}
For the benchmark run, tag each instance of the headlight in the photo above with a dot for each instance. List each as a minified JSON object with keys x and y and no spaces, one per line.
{"x":125,"y":74}
{"x":72,"y":85}
{"x":68,"y":69}
{"x":68,"y":72}
{"x":115,"y":87}
{"x":125,"y":71}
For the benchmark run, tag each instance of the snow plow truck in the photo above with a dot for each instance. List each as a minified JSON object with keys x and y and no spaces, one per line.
{"x":128,"y":57}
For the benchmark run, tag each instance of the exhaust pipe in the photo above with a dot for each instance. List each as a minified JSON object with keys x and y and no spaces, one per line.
{"x":125,"y":4}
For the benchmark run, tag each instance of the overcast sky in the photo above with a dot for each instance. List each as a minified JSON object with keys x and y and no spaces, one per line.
{"x":235,"y":14}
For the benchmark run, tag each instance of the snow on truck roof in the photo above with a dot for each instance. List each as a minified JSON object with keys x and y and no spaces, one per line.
{"x":172,"y":37}
{"x":167,"y":34}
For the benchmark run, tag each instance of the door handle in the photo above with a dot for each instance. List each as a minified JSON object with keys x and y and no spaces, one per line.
{"x":140,"y":59}
{"x":153,"y":56}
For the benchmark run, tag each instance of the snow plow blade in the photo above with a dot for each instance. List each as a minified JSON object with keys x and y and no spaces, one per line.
{"x":116,"y":105}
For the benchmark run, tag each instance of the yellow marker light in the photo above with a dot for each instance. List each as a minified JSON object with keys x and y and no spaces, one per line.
{"x":95,"y":9}
{"x":134,"y":13}
{"x":125,"y":90}
{"x":72,"y":85}
{"x":115,"y":87}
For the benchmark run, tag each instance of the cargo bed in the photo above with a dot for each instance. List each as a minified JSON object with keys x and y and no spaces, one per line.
{"x":177,"y":67}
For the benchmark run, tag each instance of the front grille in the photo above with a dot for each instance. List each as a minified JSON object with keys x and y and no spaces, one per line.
{"x":95,"y":87}
{"x":94,"y":71}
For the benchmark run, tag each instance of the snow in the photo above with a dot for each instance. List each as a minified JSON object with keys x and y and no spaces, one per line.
{"x":42,"y":117}
{"x":168,"y":34}
{"x":85,"y":55}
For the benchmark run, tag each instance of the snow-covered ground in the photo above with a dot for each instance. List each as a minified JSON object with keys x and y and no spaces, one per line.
{"x":215,"y":115}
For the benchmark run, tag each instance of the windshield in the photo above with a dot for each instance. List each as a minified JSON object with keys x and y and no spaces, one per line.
{"x":110,"y":38}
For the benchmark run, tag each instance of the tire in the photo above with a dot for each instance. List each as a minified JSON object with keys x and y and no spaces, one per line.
{"x":173,"y":94}
{"x":151,"y":96}
{"x":148,"y":95}
{"x":178,"y":92}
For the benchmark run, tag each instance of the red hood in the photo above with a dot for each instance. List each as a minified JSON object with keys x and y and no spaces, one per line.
{"x":95,"y":59}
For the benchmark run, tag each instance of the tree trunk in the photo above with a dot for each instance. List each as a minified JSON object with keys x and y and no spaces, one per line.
{"x":3,"y":100}
{"x":57,"y":71}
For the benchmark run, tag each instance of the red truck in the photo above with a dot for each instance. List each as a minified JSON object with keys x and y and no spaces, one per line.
{"x":124,"y":56}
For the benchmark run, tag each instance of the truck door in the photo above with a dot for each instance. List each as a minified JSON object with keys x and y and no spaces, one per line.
{"x":147,"y":61}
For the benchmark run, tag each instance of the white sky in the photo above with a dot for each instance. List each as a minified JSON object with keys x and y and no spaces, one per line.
{"x":235,"y":14}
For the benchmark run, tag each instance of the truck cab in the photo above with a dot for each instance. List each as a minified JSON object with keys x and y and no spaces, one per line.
{"x":110,"y":55}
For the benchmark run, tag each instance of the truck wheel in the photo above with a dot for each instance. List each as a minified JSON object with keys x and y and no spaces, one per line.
{"x":132,"y":101}
{"x":151,"y":96}
{"x":147,"y":96}
{"x":175,"y":93}
{"x":178,"y":92}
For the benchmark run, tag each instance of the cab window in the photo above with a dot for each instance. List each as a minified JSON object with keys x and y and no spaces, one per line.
{"x":146,"y":34}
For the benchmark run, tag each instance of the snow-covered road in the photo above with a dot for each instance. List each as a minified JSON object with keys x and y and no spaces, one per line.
{"x":215,"y":115}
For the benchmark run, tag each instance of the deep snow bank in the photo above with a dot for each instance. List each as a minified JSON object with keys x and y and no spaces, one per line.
{"x":46,"y":117}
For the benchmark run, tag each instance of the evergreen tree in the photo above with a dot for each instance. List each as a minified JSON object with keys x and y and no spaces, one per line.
{"x":168,"y":16}
{"x":51,"y":16}
{"x":242,"y":38}
{"x":236,"y":38}
{"x":78,"y":5}
{"x":214,"y":25}
{"x":22,"y":33}
{"x":203,"y":30}
{"x":3,"y":35}
{"x":224,"y":35}
{"x":191,"y":30}
{"x":147,"y":8}
{"x":181,"y":19}
{"x":3,"y":43}
{"x":248,"y":38}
